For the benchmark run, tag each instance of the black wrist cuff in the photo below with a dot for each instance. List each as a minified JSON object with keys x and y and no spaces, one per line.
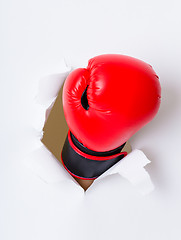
{"x":84,"y":163}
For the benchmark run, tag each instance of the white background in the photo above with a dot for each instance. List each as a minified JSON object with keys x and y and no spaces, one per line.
{"x":36,"y":34}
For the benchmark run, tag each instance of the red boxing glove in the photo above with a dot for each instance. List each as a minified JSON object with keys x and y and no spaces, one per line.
{"x":104,"y":105}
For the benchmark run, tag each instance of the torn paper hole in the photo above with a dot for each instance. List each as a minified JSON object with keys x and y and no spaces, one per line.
{"x":50,"y":117}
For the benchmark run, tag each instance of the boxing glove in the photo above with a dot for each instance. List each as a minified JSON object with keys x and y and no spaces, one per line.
{"x":104,"y":105}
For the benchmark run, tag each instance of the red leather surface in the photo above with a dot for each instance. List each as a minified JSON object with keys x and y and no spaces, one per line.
{"x":123,"y":94}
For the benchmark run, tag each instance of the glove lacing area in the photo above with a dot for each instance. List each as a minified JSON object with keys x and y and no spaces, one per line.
{"x":84,"y":163}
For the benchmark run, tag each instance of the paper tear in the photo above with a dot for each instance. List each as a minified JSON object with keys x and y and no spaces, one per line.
{"x":50,"y":84}
{"x":46,"y":91}
{"x":131,"y":167}
{"x":46,"y":166}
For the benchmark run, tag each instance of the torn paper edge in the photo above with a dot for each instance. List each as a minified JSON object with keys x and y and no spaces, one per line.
{"x":132,"y":168}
